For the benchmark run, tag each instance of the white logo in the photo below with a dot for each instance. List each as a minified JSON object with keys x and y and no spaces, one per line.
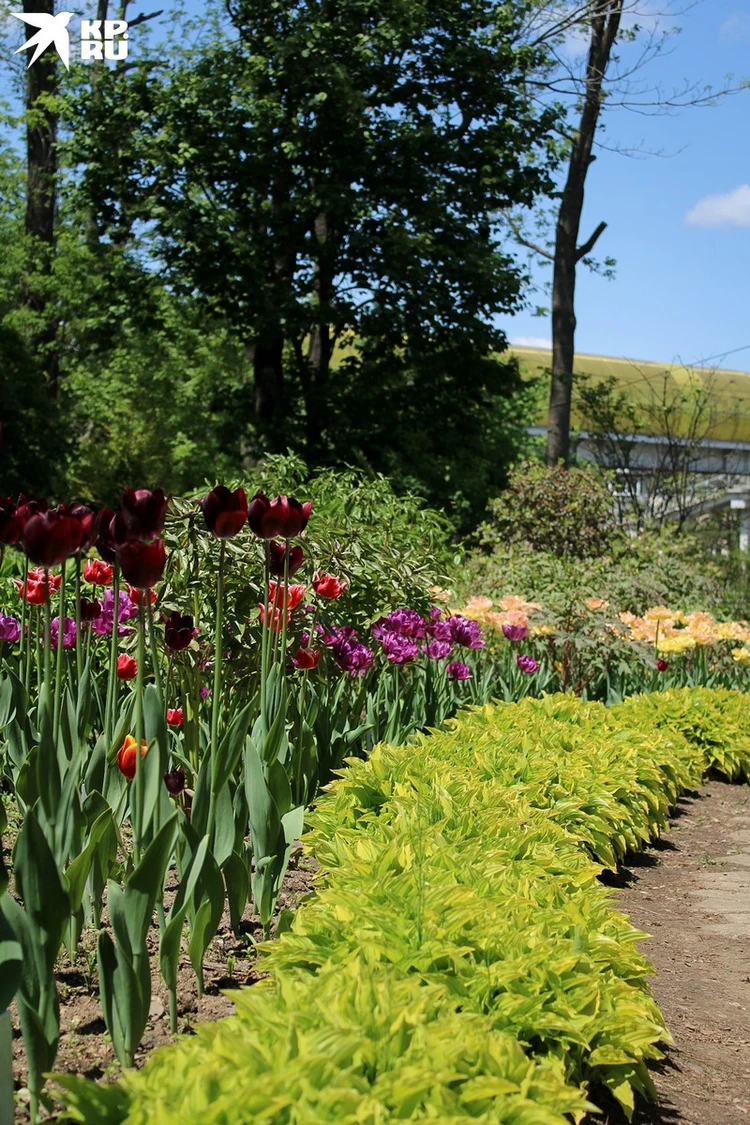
{"x":100,"y":39}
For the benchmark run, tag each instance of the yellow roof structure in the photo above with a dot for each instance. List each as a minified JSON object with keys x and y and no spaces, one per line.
{"x":659,"y":391}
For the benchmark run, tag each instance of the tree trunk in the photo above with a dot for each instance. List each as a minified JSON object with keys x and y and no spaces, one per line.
{"x":605,"y":24}
{"x":41,"y":170}
{"x":320,"y":351}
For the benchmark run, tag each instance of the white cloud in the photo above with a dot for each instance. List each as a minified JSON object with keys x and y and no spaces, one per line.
{"x":735,"y":30}
{"x":732,"y":209}
{"x":531,"y":342}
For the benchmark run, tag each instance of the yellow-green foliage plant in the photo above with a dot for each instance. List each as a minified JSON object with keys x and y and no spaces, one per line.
{"x":461,"y":960}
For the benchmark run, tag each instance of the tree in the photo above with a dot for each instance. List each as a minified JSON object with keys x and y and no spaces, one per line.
{"x":606,"y":24}
{"x":324,"y":176}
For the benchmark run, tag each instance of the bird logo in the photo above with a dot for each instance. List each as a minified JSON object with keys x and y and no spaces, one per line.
{"x":53,"y":31}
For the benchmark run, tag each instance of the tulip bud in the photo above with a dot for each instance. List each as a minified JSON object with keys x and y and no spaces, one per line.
{"x":126,"y":756}
{"x":127,"y":668}
{"x":225,"y":512}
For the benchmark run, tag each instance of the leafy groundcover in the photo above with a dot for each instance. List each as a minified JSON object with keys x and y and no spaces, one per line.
{"x":460,"y":961}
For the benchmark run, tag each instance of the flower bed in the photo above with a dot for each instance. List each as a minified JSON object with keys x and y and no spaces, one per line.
{"x":461,"y":960}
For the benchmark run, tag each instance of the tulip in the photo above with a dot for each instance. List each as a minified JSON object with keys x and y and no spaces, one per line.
{"x":527,"y":664}
{"x":33,"y":592}
{"x":515,"y":632}
{"x":175,"y":716}
{"x":106,"y":544}
{"x":662,"y":665}
{"x":294,"y":595}
{"x":98,"y":573}
{"x":127,"y":669}
{"x":306,"y":658}
{"x":90,"y":610}
{"x":10,"y":525}
{"x":283,"y":517}
{"x":276,"y":555}
{"x":28,"y":508}
{"x":141,"y":597}
{"x":327,"y":586}
{"x":458,"y":671}
{"x":175,"y":782}
{"x":143,"y":512}
{"x":142,"y":564}
{"x":225,"y":512}
{"x":437,"y":650}
{"x":10,"y":629}
{"x":69,"y":632}
{"x":178,"y":632}
{"x":465,"y":632}
{"x":51,"y":537}
{"x":126,"y":756}
{"x":88,"y":520}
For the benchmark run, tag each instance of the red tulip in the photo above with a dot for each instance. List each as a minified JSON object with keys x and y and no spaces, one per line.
{"x":328,"y":586}
{"x":90,"y":610}
{"x":141,"y":597}
{"x":294,"y":595}
{"x":662,"y":665}
{"x":127,"y":669}
{"x":175,"y":716}
{"x":51,"y":537}
{"x":225,"y":512}
{"x":142,"y":564}
{"x":28,"y":508}
{"x":276,"y":553}
{"x":306,"y":658}
{"x":276,"y":617}
{"x":98,"y":573}
{"x":33,"y":592}
{"x":143,"y":512}
{"x":126,"y":756}
{"x":284,"y":517}
{"x":106,"y":544}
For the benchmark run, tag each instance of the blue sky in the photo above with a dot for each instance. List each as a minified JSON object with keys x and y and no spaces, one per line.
{"x":679,"y":222}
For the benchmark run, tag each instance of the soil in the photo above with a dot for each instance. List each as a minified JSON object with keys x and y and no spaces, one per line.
{"x":691,"y":894}
{"x":230,"y":963}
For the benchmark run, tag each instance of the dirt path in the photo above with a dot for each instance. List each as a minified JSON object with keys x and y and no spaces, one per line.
{"x":692,"y":894}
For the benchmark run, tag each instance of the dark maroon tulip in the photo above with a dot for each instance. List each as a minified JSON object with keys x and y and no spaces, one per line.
{"x":90,"y":610}
{"x":178,"y":632}
{"x":142,"y":563}
{"x":143,"y":512}
{"x":284,"y":516}
{"x":225,"y":512}
{"x":28,"y":508}
{"x":10,"y":524}
{"x":276,"y":555}
{"x":175,"y":781}
{"x":51,"y":537}
{"x":88,"y":520}
{"x":106,"y":545}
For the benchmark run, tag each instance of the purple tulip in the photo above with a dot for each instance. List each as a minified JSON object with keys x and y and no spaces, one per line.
{"x":10,"y":629}
{"x":515,"y":632}
{"x":69,"y":632}
{"x":398,"y":649}
{"x":440,"y":631}
{"x":465,"y":632}
{"x":438,"y":650}
{"x":459,"y":671}
{"x":527,"y":664}
{"x":403,"y":622}
{"x":349,"y":653}
{"x":102,"y":625}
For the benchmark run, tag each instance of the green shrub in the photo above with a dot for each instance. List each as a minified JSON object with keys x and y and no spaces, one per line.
{"x":568,"y":513}
{"x":461,"y":960}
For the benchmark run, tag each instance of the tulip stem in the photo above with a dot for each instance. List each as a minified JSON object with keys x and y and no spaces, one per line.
{"x":152,"y":643}
{"x":47,"y":631}
{"x":216,"y":701}
{"x":109,"y":718}
{"x":264,"y":644}
{"x":25,"y":613}
{"x":137,"y":789}
{"x":79,"y":650}
{"x":60,"y":649}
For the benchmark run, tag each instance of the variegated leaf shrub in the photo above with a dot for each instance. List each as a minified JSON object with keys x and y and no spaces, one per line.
{"x":461,"y":960}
